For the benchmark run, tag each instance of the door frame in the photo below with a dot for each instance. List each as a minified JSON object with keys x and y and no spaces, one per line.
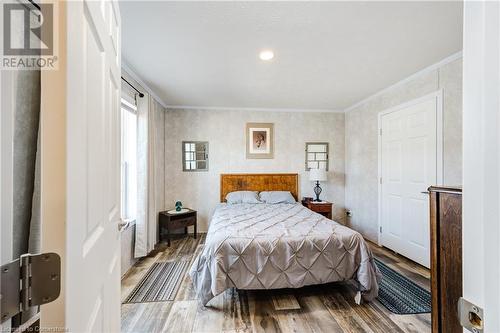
{"x":6,"y":164}
{"x":481,"y":160}
{"x":53,"y":160}
{"x":438,"y":97}
{"x":6,"y":171}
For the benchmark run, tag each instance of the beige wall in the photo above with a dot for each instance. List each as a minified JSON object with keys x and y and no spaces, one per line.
{"x":361,"y":124}
{"x":225,"y":132}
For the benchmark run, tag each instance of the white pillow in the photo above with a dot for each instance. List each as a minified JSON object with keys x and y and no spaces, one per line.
{"x":242,"y":197}
{"x":275,"y":197}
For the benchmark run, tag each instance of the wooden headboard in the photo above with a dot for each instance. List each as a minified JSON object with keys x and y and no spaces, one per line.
{"x":259,"y":182}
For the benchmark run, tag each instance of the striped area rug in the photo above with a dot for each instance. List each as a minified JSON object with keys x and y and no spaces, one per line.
{"x":399,"y":294}
{"x":161,"y":283}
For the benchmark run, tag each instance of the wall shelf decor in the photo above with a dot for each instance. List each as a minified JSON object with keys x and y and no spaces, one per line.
{"x":316,"y":155}
{"x":194,"y":155}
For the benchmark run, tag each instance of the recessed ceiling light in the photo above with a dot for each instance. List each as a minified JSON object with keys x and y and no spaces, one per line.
{"x":266,"y":55}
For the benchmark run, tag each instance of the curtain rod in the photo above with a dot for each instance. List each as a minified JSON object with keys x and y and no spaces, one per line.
{"x":141,"y":95}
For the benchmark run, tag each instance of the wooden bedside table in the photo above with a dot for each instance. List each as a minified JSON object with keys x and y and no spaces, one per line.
{"x":168,"y":222}
{"x":324,"y":207}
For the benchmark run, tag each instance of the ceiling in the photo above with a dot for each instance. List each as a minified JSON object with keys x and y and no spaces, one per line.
{"x":328,"y":55}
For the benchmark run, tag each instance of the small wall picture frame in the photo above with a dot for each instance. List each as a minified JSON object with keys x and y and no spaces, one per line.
{"x":260,"y":140}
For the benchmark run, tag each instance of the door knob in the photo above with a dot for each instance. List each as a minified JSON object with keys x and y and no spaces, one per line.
{"x":424,"y":192}
{"x":123,"y":224}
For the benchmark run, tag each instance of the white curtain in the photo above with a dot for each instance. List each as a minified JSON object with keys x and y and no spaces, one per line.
{"x":151,"y":178}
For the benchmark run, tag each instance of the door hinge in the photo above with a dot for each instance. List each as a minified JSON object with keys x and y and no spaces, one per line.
{"x":471,"y":316}
{"x":31,"y":280}
{"x":380,"y":229}
{"x":380,"y":131}
{"x":380,"y":180}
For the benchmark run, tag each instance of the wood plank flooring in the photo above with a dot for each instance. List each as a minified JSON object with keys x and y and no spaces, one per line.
{"x":326,"y":308}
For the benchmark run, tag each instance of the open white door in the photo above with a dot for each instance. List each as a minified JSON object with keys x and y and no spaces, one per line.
{"x":409,"y":158}
{"x":481,"y":185}
{"x":93,"y":166}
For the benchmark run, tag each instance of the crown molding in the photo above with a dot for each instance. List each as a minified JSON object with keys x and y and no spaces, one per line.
{"x":144,"y":86}
{"x":225,"y":108}
{"x":428,"y":69}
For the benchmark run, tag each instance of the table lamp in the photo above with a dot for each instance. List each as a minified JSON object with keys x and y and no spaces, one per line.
{"x":317,"y":175}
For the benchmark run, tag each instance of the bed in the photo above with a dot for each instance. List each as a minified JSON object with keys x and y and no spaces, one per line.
{"x":273,"y":246}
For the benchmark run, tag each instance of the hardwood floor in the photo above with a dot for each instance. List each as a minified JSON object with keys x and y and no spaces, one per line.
{"x":325,"y":308}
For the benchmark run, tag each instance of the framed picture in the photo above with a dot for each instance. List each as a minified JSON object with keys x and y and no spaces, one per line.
{"x":260,"y":140}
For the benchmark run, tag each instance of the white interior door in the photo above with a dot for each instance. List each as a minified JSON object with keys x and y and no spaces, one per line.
{"x":409,"y":166}
{"x":93,"y":166}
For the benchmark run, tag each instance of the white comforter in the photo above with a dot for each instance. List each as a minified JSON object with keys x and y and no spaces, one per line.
{"x":263,"y":246}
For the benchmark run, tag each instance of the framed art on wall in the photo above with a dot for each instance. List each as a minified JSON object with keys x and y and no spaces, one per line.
{"x":260,"y":140}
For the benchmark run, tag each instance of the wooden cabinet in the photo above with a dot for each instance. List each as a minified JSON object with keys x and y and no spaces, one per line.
{"x":446,"y":257}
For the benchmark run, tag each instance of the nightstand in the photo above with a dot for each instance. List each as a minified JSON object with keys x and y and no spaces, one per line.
{"x":323,"y":207}
{"x":172,"y":221}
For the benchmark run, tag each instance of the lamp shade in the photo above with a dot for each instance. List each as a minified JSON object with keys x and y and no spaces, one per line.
{"x":317,"y":175}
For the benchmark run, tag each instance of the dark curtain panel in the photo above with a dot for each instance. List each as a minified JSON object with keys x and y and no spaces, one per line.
{"x":26,"y":123}
{"x":26,"y":212}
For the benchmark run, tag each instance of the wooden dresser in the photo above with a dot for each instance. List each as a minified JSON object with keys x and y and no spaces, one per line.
{"x":446,"y":257}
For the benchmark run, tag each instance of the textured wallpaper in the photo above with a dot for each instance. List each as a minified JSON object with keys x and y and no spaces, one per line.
{"x":361,"y":191}
{"x":353,"y":148}
{"x":225,"y":132}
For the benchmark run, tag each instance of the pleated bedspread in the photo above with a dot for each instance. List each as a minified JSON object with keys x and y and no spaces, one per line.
{"x":272,"y":246}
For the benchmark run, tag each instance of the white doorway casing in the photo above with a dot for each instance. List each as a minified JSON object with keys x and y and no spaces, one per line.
{"x":481,"y":177}
{"x":6,"y":171}
{"x":410,"y":159}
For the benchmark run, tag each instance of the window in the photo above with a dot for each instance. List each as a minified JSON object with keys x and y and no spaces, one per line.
{"x":195,"y":156}
{"x":129,"y":160}
{"x":316,"y":155}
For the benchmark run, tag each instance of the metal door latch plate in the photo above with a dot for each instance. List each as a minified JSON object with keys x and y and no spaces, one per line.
{"x":471,"y":316}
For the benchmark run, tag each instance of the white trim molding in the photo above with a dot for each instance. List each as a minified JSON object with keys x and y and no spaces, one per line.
{"x":7,"y":116}
{"x":438,"y":97}
{"x":428,"y":69}
{"x":144,"y":86}
{"x":226,"y":108}
{"x":481,"y":160}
